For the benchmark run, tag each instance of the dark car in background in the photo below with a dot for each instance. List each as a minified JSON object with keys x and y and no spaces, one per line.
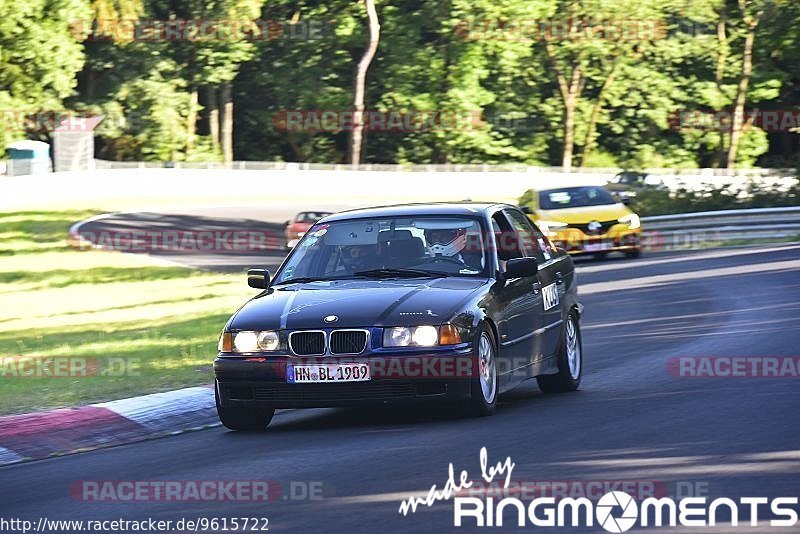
{"x":627,"y":184}
{"x":452,"y":302}
{"x":297,"y":227}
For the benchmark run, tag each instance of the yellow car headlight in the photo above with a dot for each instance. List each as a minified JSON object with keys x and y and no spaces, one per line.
{"x":632,"y":221}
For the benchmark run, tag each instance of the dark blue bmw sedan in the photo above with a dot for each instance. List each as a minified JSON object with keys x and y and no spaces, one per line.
{"x":427,"y":302}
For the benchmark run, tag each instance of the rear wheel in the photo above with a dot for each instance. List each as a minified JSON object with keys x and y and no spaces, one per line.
{"x":569,"y":359}
{"x":484,"y":385}
{"x":243,"y":418}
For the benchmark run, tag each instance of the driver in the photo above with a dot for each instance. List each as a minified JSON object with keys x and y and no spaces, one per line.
{"x":358,"y":257}
{"x":451,"y":243}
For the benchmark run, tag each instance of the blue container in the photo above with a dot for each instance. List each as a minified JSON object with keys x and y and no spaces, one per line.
{"x":28,"y":157}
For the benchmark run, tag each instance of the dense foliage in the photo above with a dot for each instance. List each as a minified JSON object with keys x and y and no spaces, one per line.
{"x":542,"y":82}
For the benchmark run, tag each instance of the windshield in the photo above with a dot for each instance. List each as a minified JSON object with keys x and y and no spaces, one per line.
{"x":393,"y":246}
{"x":574,"y":197}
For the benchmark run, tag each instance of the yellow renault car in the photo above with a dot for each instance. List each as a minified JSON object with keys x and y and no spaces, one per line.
{"x":586,"y":220}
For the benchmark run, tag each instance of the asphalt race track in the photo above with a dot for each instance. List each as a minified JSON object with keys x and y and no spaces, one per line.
{"x":267,"y":250}
{"x":632,"y":420}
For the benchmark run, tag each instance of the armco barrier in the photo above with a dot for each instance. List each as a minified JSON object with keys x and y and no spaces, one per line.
{"x":688,"y":230}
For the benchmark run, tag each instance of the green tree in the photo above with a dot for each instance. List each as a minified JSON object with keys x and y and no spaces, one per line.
{"x":39,"y":56}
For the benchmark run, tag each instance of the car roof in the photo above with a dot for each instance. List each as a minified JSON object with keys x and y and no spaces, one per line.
{"x":470,"y":209}
{"x":567,"y":186}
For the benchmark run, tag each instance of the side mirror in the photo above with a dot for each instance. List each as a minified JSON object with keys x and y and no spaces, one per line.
{"x":526,"y":210}
{"x":287,"y":223}
{"x":258,"y":278}
{"x":521,"y":267}
{"x":626,"y":200}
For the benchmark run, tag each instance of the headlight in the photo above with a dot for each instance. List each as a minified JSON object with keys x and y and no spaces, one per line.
{"x":425,"y":336}
{"x":632,"y":220}
{"x":548,"y":228}
{"x":416,"y":336}
{"x":250,"y":341}
{"x":268,"y":340}
{"x":421,"y":336}
{"x":245,"y":342}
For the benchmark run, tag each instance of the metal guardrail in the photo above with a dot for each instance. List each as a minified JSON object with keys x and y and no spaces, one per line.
{"x":445,"y":167}
{"x":693,"y":230}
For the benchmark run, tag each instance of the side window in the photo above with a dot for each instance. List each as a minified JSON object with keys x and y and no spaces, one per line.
{"x":533,"y":242}
{"x":509,"y":244}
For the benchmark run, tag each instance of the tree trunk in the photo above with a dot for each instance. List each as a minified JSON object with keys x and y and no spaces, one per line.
{"x":570,"y":105}
{"x":588,"y":141}
{"x":361,"y":78}
{"x":719,"y":77}
{"x":569,"y":133}
{"x":90,"y":83}
{"x":227,"y":123}
{"x":741,"y":92}
{"x":191,"y":122}
{"x":570,"y":94}
{"x":213,"y":116}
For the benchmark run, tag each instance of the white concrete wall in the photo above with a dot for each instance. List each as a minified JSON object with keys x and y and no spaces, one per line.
{"x":117,"y":189}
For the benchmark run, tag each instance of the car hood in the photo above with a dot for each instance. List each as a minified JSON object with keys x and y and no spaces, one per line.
{"x":357,"y":303}
{"x":585,"y":214}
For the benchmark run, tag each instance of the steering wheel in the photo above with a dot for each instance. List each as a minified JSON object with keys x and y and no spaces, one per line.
{"x":447,"y":259}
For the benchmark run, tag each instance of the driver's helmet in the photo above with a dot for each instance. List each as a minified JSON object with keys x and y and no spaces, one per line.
{"x":357,"y":257}
{"x":446,"y":242}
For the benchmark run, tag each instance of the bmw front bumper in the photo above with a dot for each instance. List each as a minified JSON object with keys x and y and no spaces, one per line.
{"x":394,"y":378}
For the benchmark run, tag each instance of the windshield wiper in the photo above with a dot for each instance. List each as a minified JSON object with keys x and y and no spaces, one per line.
{"x":389,"y":272}
{"x":304,"y":279}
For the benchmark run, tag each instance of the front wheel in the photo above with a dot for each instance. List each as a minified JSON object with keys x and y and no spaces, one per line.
{"x":484,"y":385}
{"x":243,"y":418}
{"x":569,"y":359}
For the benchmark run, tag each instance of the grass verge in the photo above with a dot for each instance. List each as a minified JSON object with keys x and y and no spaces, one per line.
{"x":107,"y":325}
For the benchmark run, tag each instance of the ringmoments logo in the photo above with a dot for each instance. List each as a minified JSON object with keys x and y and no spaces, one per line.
{"x":615,"y":500}
{"x":614,"y":511}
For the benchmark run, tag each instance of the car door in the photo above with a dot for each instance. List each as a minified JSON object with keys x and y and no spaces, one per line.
{"x":551,"y":278}
{"x":519,"y":305}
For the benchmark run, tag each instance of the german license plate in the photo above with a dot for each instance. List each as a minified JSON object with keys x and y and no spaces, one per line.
{"x":341,"y":372}
{"x":594,"y":247}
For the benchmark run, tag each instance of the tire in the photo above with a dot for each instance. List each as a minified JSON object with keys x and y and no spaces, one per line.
{"x":633,"y":254}
{"x":483,"y":387}
{"x":570,"y":349}
{"x":244,"y":418}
